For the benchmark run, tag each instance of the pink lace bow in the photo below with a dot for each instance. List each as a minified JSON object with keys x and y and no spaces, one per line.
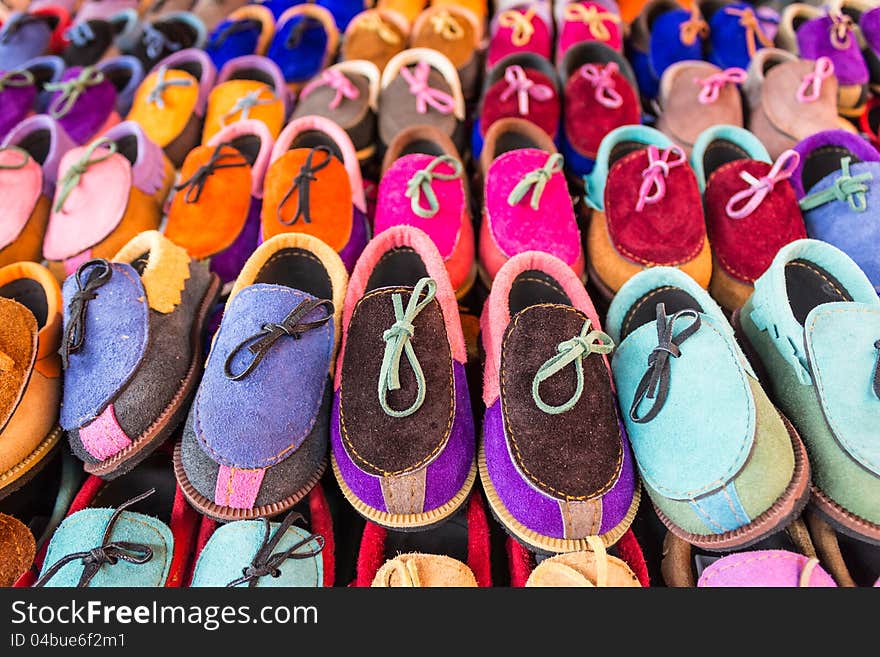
{"x":743,"y":203}
{"x":601,"y":77}
{"x":711,"y":86}
{"x":336,"y":80}
{"x":811,"y":86}
{"x":518,"y":83}
{"x":417,"y":78}
{"x":654,"y":176}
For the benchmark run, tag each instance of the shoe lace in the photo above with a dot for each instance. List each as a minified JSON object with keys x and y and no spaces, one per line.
{"x":520,"y":25}
{"x":846,"y":187}
{"x":292,"y":326}
{"x":712,"y":85}
{"x":80,"y":34}
{"x":86,"y":291}
{"x":247,"y":102}
{"x":109,"y":552}
{"x":811,"y":85}
{"x":75,"y":171}
{"x":373,"y":22}
{"x":266,"y":562}
{"x":748,"y":20}
{"x":841,"y":29}
{"x":655,"y":174}
{"x":302,"y":185}
{"x":336,"y":80}
{"x":21,"y":78}
{"x":419,"y":185}
{"x":157,"y":93}
{"x":225,"y":156}
{"x":744,"y":203}
{"x":593,"y":18}
{"x":417,"y":79}
{"x":602,"y":79}
{"x":693,"y":28}
{"x":536,"y":181}
{"x":519,"y":83}
{"x":446,"y":26}
{"x":656,"y":380}
{"x":71,"y":90}
{"x":398,"y":341}
{"x":570,"y":351}
{"x":156,"y":42}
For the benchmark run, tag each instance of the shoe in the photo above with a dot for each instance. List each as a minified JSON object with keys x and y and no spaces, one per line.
{"x":171,"y":102}
{"x":554,"y":488}
{"x":423,"y":184}
{"x":314,"y":164}
{"x":421,"y":86}
{"x":212,"y":12}
{"x":90,"y":41}
{"x":586,"y":568}
{"x":165,"y":35}
{"x":813,"y":33}
{"x":456,"y":553}
{"x":215,"y":211}
{"x":457,"y":33}
{"x":246,"y":31}
{"x":259,"y":553}
{"x":735,"y":32}
{"x":123,"y":398}
{"x":104,"y":543}
{"x":32,"y":152}
{"x":229,"y":467}
{"x":248,"y":87}
{"x":751,"y":208}
{"x":694,"y":97}
{"x":83,"y":102}
{"x":30,"y":397}
{"x":851,"y":561}
{"x":835,"y":183}
{"x":520,"y":86}
{"x":45,"y":69}
{"x":584,"y":21}
{"x":18,"y":94}
{"x":17,"y":549}
{"x":522,"y":27}
{"x":765,"y":569}
{"x":599,"y":84}
{"x":789,"y":98}
{"x":406,"y":9}
{"x":376,"y":35}
{"x":526,"y":206}
{"x":722,"y":479}
{"x":130,"y":173}
{"x":647,"y":210}
{"x":347,"y":93}
{"x":811,"y":289}
{"x":305,"y":42}
{"x":664,"y":33}
{"x":24,"y":36}
{"x":404,"y":458}
{"x":125,"y":73}
{"x":104,"y":9}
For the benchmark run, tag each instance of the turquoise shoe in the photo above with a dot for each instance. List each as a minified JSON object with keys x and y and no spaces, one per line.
{"x":723,"y":468}
{"x":814,"y":323}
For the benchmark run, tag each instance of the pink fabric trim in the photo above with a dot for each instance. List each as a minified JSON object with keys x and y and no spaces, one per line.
{"x":496,"y":312}
{"x":82,"y":223}
{"x":337,"y":134}
{"x":421,"y":243}
{"x":148,"y":169}
{"x":73,"y":263}
{"x":394,"y":207}
{"x":255,"y":127}
{"x":103,"y":437}
{"x":237,"y":488}
{"x":20,"y":190}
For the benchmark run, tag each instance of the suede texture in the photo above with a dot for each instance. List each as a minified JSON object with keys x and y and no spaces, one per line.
{"x":819,"y":143}
{"x":354,"y":115}
{"x":126,"y":73}
{"x":330,"y":198}
{"x":460,"y":49}
{"x":745,"y":246}
{"x":445,"y":475}
{"x":270,"y":427}
{"x":279,"y":481}
{"x":543,"y":113}
{"x":91,"y":110}
{"x":223,"y":99}
{"x":501,"y":44}
{"x":21,"y":42}
{"x":571,"y":32}
{"x":228,"y":263}
{"x":84,"y":530}
{"x":18,"y":351}
{"x":666,"y":46}
{"x":669,"y":232}
{"x":213,"y":222}
{"x":232,"y":38}
{"x":180,"y":32}
{"x":729,"y":43}
{"x":366,"y":429}
{"x":306,"y":56}
{"x":814,"y":41}
{"x":22,"y":188}
{"x":575,"y":455}
{"x":765,"y":569}
{"x":232,"y":548}
{"x":397,"y":108}
{"x":17,"y":103}
{"x":537,"y":511}
{"x":424,"y":571}
{"x":117,"y":331}
{"x":166,"y":123}
{"x":362,"y":40}
{"x":17,"y":549}
{"x":587,"y":121}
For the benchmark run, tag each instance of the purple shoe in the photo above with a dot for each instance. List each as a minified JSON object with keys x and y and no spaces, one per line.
{"x":255,"y":441}
{"x":18,"y":94}
{"x":555,"y":462}
{"x":45,"y":69}
{"x":25,"y":36}
{"x":83,"y":102}
{"x":402,"y":432}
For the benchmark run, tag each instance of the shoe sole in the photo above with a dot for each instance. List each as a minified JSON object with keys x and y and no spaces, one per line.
{"x":549,"y":544}
{"x":228,"y":514}
{"x":145,"y":444}
{"x":407,"y":521}
{"x":26,"y":469}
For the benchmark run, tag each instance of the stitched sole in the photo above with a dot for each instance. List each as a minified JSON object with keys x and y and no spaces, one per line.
{"x":844,"y":521}
{"x":26,"y":469}
{"x":158,"y":431}
{"x":228,"y":514}
{"x":401,"y":521}
{"x":785,"y":509}
{"x":549,"y":544}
